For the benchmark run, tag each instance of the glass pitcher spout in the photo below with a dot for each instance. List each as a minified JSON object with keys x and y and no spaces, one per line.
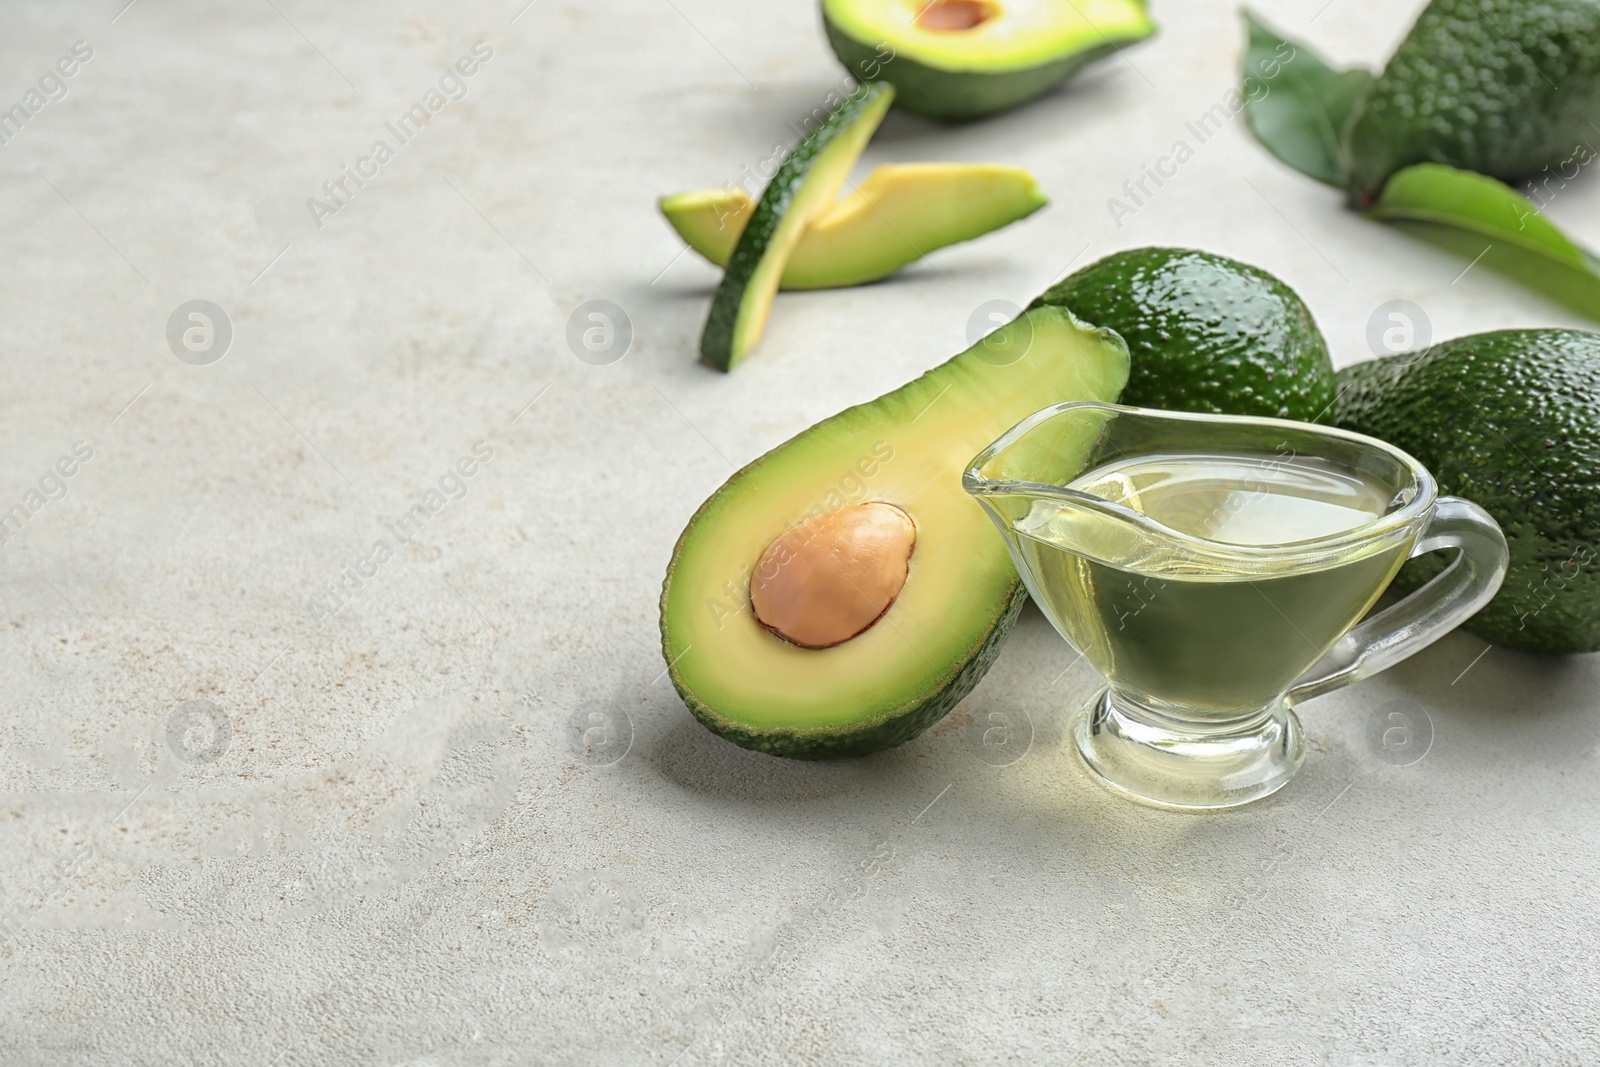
{"x":1035,"y":470}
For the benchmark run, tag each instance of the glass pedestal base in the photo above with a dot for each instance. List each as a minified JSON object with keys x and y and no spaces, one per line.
{"x":1162,"y":759}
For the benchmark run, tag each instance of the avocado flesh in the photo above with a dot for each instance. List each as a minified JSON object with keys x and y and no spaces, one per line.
{"x":961,"y":594}
{"x":1511,"y":421}
{"x":897,"y":215}
{"x":804,"y":186}
{"x":1502,"y":87}
{"x":1022,"y":50}
{"x":1207,"y":333}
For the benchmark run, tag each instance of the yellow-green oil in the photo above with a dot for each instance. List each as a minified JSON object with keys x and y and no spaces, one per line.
{"x":1219,"y":626}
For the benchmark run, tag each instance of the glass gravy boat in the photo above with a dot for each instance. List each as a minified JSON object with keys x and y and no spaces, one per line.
{"x":1216,"y":570}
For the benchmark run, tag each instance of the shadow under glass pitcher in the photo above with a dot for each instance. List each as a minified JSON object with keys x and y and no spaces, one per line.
{"x":1215,"y":569}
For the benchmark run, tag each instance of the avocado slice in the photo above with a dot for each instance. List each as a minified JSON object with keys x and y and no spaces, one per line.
{"x":803,"y":187}
{"x":897,"y":215}
{"x":1207,"y":333}
{"x":941,"y":628}
{"x":962,"y":59}
{"x":1502,"y":87}
{"x":1511,"y":421}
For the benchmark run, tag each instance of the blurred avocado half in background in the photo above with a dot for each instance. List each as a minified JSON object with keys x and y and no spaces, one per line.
{"x":957,"y":60}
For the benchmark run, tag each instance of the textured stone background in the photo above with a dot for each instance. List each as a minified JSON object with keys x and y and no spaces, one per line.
{"x":388,"y":843}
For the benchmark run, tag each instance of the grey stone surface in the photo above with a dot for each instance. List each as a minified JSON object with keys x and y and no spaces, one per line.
{"x":240,"y":827}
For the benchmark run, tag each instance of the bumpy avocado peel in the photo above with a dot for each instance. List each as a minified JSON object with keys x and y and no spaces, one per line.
{"x":1206,"y":333}
{"x":1511,"y":421}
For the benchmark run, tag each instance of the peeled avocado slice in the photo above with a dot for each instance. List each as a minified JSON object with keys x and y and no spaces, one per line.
{"x":804,"y":186}
{"x":962,"y":59}
{"x":942,"y":627}
{"x":897,"y":215}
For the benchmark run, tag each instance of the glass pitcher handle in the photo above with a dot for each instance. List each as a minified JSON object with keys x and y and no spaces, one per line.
{"x":1466,"y":585}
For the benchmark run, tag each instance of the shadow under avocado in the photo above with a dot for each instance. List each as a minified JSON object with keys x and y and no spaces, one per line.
{"x":999,"y":779}
{"x":932,"y":799}
{"x":1494,"y":690}
{"x":697,"y":761}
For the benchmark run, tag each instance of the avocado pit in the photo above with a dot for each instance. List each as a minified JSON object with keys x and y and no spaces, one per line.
{"x":955,"y":16}
{"x":830,"y":578}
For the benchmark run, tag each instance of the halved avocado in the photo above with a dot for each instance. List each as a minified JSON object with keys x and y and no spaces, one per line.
{"x":804,"y":186}
{"x":897,"y":215}
{"x":942,"y":626}
{"x":963,"y":59}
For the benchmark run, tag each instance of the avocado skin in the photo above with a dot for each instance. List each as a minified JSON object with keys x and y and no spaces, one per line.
{"x":1206,"y":333}
{"x":1511,"y":421}
{"x":717,"y":348}
{"x":1502,"y":87}
{"x":955,"y":96}
{"x":860,"y":739}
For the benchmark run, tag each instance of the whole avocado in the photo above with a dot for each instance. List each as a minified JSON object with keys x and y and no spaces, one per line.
{"x":1511,"y":421}
{"x":1207,"y":333}
{"x":1502,"y":87}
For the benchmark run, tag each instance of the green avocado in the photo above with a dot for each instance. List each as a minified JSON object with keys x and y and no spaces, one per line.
{"x":898,"y":214}
{"x":1502,"y":87}
{"x":1207,"y":333}
{"x":804,"y":187}
{"x":962,"y":59}
{"x":938,"y":637}
{"x":1511,"y":421}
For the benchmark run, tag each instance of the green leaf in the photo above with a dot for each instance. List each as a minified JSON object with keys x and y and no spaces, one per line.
{"x":1433,"y":192}
{"x":1508,"y":230}
{"x":1297,"y":105}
